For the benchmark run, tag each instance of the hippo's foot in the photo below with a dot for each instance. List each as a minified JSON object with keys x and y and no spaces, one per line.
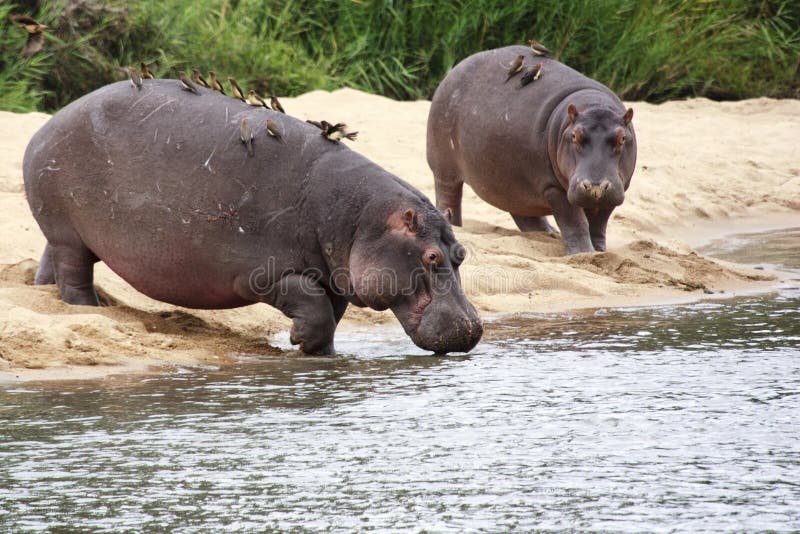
{"x":312,"y":337}
{"x":302,"y":299}
{"x":74,"y":274}
{"x":313,"y":324}
{"x":580,"y":248}
{"x":533,"y":224}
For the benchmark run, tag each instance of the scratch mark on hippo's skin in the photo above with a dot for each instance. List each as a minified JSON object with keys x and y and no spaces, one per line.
{"x":206,"y":164}
{"x":226,"y":114}
{"x":277,"y":215}
{"x":239,"y":182}
{"x":455,"y":98}
{"x":452,"y":144}
{"x":51,"y":147}
{"x":75,"y":200}
{"x":154,"y":110}
{"x":49,"y":167}
{"x":168,"y":138}
{"x":155,"y":135}
{"x":246,"y":197}
{"x":139,"y":100}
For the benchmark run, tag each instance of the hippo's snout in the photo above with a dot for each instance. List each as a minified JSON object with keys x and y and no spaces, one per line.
{"x":446,"y":331}
{"x":602,"y":194}
{"x":446,"y":325}
{"x":595,"y":191}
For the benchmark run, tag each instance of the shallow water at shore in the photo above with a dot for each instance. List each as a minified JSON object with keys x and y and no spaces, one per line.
{"x":778,"y":248}
{"x":646,"y":419}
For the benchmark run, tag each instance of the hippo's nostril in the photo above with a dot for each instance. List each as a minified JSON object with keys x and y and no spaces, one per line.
{"x":586,"y":185}
{"x":604,"y":185}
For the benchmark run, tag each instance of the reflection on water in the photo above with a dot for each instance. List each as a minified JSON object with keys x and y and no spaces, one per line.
{"x":650,"y":419}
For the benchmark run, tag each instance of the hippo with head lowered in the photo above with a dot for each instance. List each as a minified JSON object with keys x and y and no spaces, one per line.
{"x":157,"y":184}
{"x":561,"y":145}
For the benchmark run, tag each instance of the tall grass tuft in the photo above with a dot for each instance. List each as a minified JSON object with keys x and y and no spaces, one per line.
{"x":643,"y":49}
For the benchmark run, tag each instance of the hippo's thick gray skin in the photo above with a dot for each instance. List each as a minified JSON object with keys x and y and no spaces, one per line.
{"x":562,"y":145}
{"x":157,"y":184}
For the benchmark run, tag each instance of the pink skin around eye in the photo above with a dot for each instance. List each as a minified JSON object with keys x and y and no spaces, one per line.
{"x":577,"y":136}
{"x":432,"y":256}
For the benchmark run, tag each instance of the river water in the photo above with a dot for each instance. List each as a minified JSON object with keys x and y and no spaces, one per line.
{"x":653,"y":419}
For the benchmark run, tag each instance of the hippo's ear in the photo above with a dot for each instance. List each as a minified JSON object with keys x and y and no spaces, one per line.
{"x":572,"y":111}
{"x":628,"y":117}
{"x":405,"y":222}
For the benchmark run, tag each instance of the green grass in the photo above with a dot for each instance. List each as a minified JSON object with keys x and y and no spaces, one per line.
{"x":643,"y":49}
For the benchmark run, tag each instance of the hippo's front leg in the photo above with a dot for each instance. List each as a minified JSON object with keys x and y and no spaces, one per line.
{"x":571,"y":221}
{"x":598,"y":221}
{"x":304,"y":301}
{"x":313,"y":322}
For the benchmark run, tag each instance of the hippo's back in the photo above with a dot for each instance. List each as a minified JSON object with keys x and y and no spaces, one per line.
{"x":475,"y":89}
{"x":157,"y":184}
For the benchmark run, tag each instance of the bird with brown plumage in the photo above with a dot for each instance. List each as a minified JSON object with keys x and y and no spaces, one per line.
{"x":35,"y":31}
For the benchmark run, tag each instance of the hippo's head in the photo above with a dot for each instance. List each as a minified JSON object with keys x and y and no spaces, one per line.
{"x":596,"y":154}
{"x":410,"y":265}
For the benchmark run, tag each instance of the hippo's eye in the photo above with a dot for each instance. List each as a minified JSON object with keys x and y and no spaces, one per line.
{"x":577,"y":136}
{"x":619,"y":141}
{"x":432,"y":256}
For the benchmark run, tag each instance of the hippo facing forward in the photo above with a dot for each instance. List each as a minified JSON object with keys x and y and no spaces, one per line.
{"x":561,"y":145}
{"x":158,"y":185}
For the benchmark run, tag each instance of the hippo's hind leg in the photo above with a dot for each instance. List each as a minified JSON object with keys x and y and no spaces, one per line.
{"x":74,"y":273}
{"x":45,"y":272}
{"x":449,"y":189}
{"x":598,"y":221}
{"x":533,"y":224}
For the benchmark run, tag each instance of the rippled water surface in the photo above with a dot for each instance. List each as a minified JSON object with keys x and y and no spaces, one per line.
{"x":650,"y":419}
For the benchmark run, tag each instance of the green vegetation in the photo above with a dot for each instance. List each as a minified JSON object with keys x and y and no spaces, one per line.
{"x":643,"y":49}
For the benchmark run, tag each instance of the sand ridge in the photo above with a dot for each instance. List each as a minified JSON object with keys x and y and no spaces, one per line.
{"x":702,"y":167}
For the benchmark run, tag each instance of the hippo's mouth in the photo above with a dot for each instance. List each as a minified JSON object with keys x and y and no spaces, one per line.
{"x":605,"y":194}
{"x":410,"y":316}
{"x":441,"y":325}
